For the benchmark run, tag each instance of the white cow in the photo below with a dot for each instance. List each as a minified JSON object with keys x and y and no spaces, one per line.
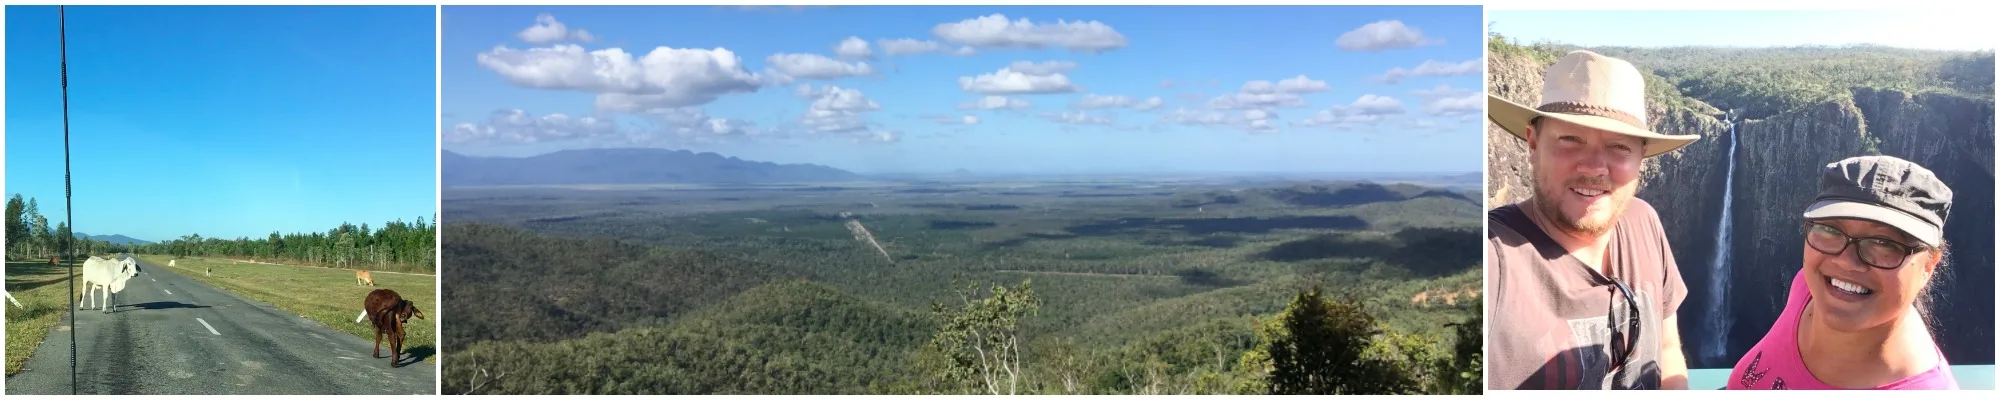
{"x":108,"y":273}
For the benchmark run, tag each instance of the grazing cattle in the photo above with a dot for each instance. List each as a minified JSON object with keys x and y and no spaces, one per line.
{"x":109,"y":274}
{"x":390,"y":312}
{"x":361,"y":277}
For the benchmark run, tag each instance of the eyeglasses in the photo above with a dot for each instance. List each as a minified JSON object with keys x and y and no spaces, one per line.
{"x":1874,"y":251}
{"x":1624,"y":337}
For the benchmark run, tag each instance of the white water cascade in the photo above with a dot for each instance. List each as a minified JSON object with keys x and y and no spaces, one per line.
{"x":1719,"y":321}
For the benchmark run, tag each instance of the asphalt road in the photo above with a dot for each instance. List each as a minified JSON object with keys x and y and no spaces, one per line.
{"x":169,"y":334}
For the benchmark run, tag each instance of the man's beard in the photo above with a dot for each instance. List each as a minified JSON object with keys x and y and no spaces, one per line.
{"x":1577,"y":225}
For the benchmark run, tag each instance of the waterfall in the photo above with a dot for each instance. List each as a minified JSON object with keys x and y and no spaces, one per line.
{"x":1717,"y":347}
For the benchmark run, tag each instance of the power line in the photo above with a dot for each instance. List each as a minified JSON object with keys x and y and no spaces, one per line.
{"x":69,"y":207}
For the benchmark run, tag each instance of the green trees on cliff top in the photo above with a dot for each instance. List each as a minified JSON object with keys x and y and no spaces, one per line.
{"x":1766,"y":81}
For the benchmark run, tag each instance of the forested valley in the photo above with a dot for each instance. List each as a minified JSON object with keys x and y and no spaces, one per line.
{"x":1250,"y":288}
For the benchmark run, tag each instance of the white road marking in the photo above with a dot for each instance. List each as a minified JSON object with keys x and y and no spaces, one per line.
{"x":164,"y":290}
{"x":211,"y":329}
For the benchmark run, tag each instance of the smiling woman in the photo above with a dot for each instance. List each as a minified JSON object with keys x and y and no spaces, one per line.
{"x":1858,"y":316}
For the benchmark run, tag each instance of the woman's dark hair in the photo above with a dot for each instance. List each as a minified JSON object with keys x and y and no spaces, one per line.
{"x":1929,"y":298}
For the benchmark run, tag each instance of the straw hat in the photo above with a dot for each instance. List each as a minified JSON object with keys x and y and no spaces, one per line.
{"x":1592,"y":90}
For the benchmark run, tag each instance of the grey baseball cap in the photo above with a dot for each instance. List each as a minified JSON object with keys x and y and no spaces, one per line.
{"x":1884,"y":189}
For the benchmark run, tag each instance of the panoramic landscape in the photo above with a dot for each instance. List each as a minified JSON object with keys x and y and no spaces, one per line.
{"x":233,"y":238}
{"x":957,"y":230}
{"x":1793,"y":109}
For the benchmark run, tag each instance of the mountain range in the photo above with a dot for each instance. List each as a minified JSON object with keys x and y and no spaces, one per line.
{"x":626,"y":166}
{"x":113,"y":239}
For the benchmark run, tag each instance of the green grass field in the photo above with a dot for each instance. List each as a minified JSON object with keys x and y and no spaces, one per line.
{"x":34,"y":283}
{"x":325,"y":295}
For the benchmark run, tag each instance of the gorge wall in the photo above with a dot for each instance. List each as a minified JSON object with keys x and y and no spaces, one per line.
{"x":1777,"y":174}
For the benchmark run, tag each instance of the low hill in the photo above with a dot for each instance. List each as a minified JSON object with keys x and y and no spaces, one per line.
{"x":789,"y":337}
{"x":572,"y":287}
{"x":1317,"y":194}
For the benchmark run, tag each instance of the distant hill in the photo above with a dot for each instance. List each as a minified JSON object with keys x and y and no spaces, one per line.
{"x":627,"y":166}
{"x":1319,"y":194}
{"x":113,"y":239}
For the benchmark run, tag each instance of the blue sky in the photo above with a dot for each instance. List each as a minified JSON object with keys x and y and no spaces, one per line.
{"x":1230,"y":97}
{"x":1945,"y":28}
{"x":225,"y":121}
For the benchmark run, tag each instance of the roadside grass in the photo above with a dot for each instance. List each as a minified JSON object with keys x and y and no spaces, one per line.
{"x":329,"y":296}
{"x":38,"y":286}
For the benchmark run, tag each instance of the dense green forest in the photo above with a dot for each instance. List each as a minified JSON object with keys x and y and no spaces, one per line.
{"x":394,"y":246}
{"x":1761,"y":82}
{"x":1051,"y":292}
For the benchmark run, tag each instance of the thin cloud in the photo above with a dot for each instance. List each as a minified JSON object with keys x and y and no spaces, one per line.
{"x":1384,"y":35}
{"x":1430,"y":68}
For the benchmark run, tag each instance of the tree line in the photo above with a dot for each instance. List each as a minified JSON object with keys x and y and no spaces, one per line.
{"x":29,"y":235}
{"x":1767,"y":81}
{"x":395,"y":245}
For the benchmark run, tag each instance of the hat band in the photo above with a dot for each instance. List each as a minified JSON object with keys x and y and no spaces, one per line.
{"x":1579,"y":108}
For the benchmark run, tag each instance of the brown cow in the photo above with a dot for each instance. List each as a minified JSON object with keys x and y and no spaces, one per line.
{"x":361,"y":277}
{"x":390,"y":312}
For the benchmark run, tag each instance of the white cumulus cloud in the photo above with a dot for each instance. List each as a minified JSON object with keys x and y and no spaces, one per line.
{"x":1383,"y":35}
{"x":665,"y":77}
{"x":853,"y":48}
{"x":1009,"y":81}
{"x":996,"y":31}
{"x":814,"y":66}
{"x":547,"y":30}
{"x":836,"y":109}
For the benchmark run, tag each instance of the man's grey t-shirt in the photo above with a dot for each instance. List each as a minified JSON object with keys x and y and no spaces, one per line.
{"x":1551,"y":314}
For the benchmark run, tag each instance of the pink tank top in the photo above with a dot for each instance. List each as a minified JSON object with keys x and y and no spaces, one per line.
{"x":1775,"y":363}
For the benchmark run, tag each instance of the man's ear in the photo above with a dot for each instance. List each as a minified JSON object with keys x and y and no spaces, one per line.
{"x":1530,"y":131}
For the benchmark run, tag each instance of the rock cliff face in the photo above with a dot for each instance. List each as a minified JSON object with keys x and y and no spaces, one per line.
{"x":1776,"y":178}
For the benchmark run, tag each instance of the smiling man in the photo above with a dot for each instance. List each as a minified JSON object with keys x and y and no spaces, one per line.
{"x":1584,"y":285}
